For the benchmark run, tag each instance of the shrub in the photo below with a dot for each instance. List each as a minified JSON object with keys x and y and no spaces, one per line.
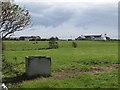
{"x":74,"y":44}
{"x":53,"y":44}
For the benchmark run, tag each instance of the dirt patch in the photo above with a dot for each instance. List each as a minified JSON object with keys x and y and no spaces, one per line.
{"x":63,"y":73}
{"x":71,"y":72}
{"x":115,"y":65}
{"x":111,"y":67}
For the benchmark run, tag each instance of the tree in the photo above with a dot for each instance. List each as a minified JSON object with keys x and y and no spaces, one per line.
{"x":12,"y":18}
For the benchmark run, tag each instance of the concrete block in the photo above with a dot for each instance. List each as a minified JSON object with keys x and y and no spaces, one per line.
{"x":38,"y":65}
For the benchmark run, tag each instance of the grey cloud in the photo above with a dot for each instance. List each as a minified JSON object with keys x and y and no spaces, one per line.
{"x":35,"y":7}
{"x":68,"y":19}
{"x":98,"y":16}
{"x":54,"y":17}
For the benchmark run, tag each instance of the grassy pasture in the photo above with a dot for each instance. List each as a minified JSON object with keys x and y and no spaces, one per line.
{"x":66,"y":63}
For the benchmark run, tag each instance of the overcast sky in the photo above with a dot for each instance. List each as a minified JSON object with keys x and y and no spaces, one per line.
{"x":71,"y":18}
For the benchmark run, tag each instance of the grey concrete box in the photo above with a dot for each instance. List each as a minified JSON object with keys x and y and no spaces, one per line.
{"x":38,"y":65}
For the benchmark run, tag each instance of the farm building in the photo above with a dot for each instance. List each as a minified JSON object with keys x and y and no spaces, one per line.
{"x":28,"y":38}
{"x":92,"y":37}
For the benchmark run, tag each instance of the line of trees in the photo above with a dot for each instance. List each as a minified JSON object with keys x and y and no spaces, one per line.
{"x":33,"y":39}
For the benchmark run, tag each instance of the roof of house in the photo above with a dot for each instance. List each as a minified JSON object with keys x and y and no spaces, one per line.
{"x":93,"y":35}
{"x":90,"y":36}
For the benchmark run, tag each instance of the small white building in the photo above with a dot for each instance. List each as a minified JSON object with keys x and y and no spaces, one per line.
{"x":92,"y":37}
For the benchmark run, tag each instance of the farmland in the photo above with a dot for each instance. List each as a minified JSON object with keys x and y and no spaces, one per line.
{"x":92,"y":64}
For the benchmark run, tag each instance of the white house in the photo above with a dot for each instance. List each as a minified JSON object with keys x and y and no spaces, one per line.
{"x":92,"y":37}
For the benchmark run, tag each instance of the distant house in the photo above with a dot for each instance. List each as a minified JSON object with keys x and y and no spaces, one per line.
{"x":28,"y":38}
{"x":92,"y":37}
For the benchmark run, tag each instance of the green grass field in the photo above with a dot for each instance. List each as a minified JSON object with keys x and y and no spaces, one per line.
{"x":93,"y":64}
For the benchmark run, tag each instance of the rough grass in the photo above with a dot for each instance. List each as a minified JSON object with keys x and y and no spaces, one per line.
{"x":88,"y":54}
{"x":84,"y":80}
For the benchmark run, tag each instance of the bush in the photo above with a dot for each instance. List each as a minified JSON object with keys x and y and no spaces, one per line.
{"x":53,"y":44}
{"x":74,"y":44}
